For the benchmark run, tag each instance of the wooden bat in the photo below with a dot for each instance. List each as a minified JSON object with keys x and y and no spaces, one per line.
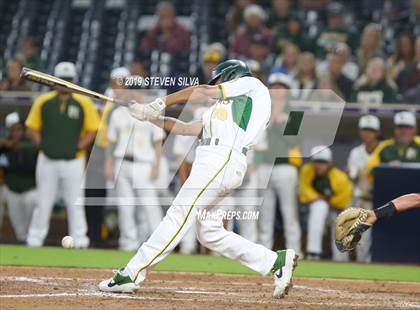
{"x":56,"y":83}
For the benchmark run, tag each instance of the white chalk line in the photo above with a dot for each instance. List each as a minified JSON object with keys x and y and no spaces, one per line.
{"x":185,"y":290}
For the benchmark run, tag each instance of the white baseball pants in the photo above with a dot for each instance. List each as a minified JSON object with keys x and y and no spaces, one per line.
{"x":20,"y":208}
{"x":283,"y":183}
{"x":53,"y":177}
{"x":321,"y":215}
{"x":216,"y":171}
{"x":139,"y":210}
{"x":245,"y":201}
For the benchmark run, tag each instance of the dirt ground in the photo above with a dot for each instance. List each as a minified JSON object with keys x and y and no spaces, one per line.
{"x":65,"y":288}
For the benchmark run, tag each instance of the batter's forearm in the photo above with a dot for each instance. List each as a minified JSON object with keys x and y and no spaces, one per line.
{"x":178,"y":127}
{"x":193,"y":94}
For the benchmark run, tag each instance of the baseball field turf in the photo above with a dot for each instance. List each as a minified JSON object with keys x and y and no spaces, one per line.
{"x":12,"y":255}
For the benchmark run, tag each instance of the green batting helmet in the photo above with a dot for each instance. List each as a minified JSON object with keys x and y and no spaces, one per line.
{"x":229,"y":70}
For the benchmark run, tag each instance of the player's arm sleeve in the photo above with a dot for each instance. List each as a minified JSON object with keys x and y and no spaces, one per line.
{"x":375,"y":159}
{"x":34,"y":119}
{"x":343,"y":190}
{"x":237,"y":87}
{"x":295,"y":157}
{"x":306,"y":192}
{"x":91,"y":117}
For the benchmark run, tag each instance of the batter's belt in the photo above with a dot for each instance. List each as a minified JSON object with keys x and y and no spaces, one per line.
{"x":216,"y":141}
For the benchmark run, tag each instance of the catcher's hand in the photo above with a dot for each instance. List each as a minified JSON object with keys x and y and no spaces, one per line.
{"x":349,"y":227}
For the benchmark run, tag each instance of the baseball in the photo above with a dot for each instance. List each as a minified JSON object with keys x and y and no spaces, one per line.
{"x":67,"y":242}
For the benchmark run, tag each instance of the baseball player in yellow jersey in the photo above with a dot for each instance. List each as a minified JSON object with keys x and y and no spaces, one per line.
{"x":403,"y":148}
{"x":227,"y":130}
{"x":63,"y":125}
{"x":326,"y":190}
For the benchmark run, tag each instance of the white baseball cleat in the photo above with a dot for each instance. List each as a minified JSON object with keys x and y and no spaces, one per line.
{"x":119,"y":283}
{"x":283,"y":271}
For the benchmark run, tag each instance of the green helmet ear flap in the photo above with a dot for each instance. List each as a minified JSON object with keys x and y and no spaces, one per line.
{"x":214,"y":78}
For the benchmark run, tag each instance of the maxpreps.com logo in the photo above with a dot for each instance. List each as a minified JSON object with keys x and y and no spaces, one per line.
{"x":158,"y":81}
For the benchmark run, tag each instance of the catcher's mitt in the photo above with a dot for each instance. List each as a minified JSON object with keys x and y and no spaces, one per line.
{"x":349,"y":227}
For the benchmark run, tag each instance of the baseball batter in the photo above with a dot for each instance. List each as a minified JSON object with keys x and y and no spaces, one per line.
{"x":227,"y":130}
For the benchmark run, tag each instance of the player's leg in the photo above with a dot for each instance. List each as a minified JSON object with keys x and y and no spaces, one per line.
{"x":188,"y":244}
{"x":16,"y":211}
{"x":71,"y":175}
{"x":200,"y":188}
{"x":47,"y":172}
{"x":267,"y":208}
{"x":285,"y":180}
{"x":318,"y":213}
{"x":213,"y":235}
{"x":30,"y":201}
{"x":127,"y":205}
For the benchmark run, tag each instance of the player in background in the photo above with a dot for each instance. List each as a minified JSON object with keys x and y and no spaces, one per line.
{"x":20,"y":155}
{"x":97,"y":170}
{"x":62,"y":125}
{"x":369,"y":130}
{"x":326,"y":190}
{"x":284,"y":173}
{"x":227,"y":130}
{"x":135,"y":151}
{"x":403,"y":148}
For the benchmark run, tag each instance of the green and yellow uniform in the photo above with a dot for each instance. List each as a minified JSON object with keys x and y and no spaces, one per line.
{"x":390,"y":150}
{"x":335,"y":186}
{"x":62,"y":123}
{"x":382,"y":92}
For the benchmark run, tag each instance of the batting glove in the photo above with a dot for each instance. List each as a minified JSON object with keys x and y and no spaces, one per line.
{"x":154,"y":109}
{"x":137,"y":111}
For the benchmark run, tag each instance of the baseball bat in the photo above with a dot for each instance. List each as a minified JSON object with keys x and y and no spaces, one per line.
{"x":57,"y":83}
